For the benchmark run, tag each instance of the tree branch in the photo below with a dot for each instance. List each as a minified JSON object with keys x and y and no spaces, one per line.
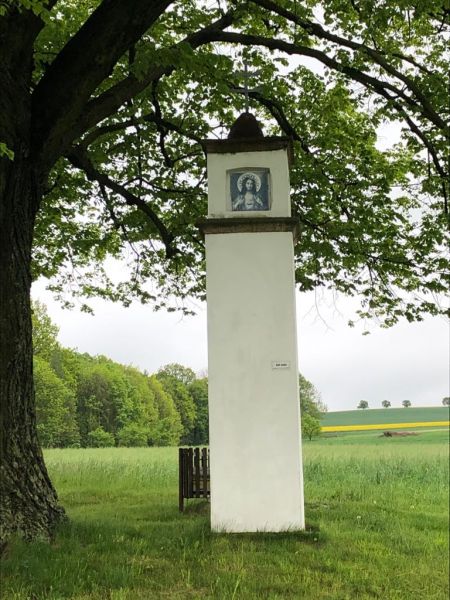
{"x":135,"y":121}
{"x":19,"y":29}
{"x":277,"y":112}
{"x":79,"y":159}
{"x":55,"y":137}
{"x":107,"y":103}
{"x":375,"y":55}
{"x":429,"y":146}
{"x":84,"y":62}
{"x":381,"y":87}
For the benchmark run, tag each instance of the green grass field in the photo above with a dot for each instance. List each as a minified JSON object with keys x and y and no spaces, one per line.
{"x":386,"y":415}
{"x":377,"y":511}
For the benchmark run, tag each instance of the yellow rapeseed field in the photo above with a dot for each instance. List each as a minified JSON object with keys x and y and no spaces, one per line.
{"x":385,"y":426}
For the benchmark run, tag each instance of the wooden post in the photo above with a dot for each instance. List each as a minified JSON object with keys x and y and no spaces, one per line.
{"x":181,"y":479}
{"x":205,"y":471}
{"x":190,"y":469}
{"x":197,"y":472}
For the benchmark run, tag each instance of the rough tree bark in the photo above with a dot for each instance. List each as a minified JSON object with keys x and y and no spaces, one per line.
{"x":28,"y":501}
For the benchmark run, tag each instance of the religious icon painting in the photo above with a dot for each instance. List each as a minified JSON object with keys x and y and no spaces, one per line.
{"x":249,"y":189}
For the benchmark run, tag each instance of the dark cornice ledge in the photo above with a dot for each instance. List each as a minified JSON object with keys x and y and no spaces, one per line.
{"x":234,"y":146}
{"x":213,"y":225}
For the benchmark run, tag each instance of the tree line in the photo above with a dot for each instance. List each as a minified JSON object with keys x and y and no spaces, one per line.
{"x":385,"y":404}
{"x":405,"y":403}
{"x":87,"y":401}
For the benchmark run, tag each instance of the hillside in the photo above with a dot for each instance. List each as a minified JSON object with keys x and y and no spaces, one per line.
{"x":381,"y":416}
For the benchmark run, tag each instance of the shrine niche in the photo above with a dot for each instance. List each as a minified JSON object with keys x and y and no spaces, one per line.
{"x":249,"y":189}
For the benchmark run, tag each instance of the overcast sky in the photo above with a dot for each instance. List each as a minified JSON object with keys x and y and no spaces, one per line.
{"x":406,"y":362}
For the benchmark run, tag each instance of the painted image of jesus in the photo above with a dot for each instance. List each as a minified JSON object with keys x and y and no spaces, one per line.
{"x":249,"y":197}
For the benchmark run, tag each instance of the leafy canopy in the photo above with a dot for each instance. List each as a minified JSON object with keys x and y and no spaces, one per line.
{"x":45,"y":332}
{"x":122,"y":103}
{"x":310,"y":399}
{"x":310,"y":426}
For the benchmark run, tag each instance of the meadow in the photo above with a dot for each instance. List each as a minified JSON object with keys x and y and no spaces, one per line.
{"x":376,"y":508}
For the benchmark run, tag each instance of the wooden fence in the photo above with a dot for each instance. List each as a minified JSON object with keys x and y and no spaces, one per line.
{"x":193,"y":474}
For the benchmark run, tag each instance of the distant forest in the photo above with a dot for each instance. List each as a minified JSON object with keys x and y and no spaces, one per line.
{"x":92,"y":401}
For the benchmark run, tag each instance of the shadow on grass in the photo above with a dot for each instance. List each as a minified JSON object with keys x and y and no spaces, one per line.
{"x":310,"y":535}
{"x":196,"y":507}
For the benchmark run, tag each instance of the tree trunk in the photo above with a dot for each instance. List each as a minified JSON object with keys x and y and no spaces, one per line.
{"x":28,"y":501}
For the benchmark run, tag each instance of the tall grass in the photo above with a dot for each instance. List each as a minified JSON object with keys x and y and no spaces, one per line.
{"x":377,"y":521}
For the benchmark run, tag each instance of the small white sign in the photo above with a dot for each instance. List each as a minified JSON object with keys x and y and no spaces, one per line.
{"x":281,"y":364}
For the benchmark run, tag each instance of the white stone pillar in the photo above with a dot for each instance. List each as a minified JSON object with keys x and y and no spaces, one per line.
{"x":254,"y":420}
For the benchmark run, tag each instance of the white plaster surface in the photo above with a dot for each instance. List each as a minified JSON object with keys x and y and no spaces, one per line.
{"x":218,"y":194}
{"x":256,"y":467}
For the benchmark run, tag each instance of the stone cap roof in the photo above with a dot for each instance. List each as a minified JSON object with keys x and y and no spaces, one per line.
{"x":245,"y":126}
